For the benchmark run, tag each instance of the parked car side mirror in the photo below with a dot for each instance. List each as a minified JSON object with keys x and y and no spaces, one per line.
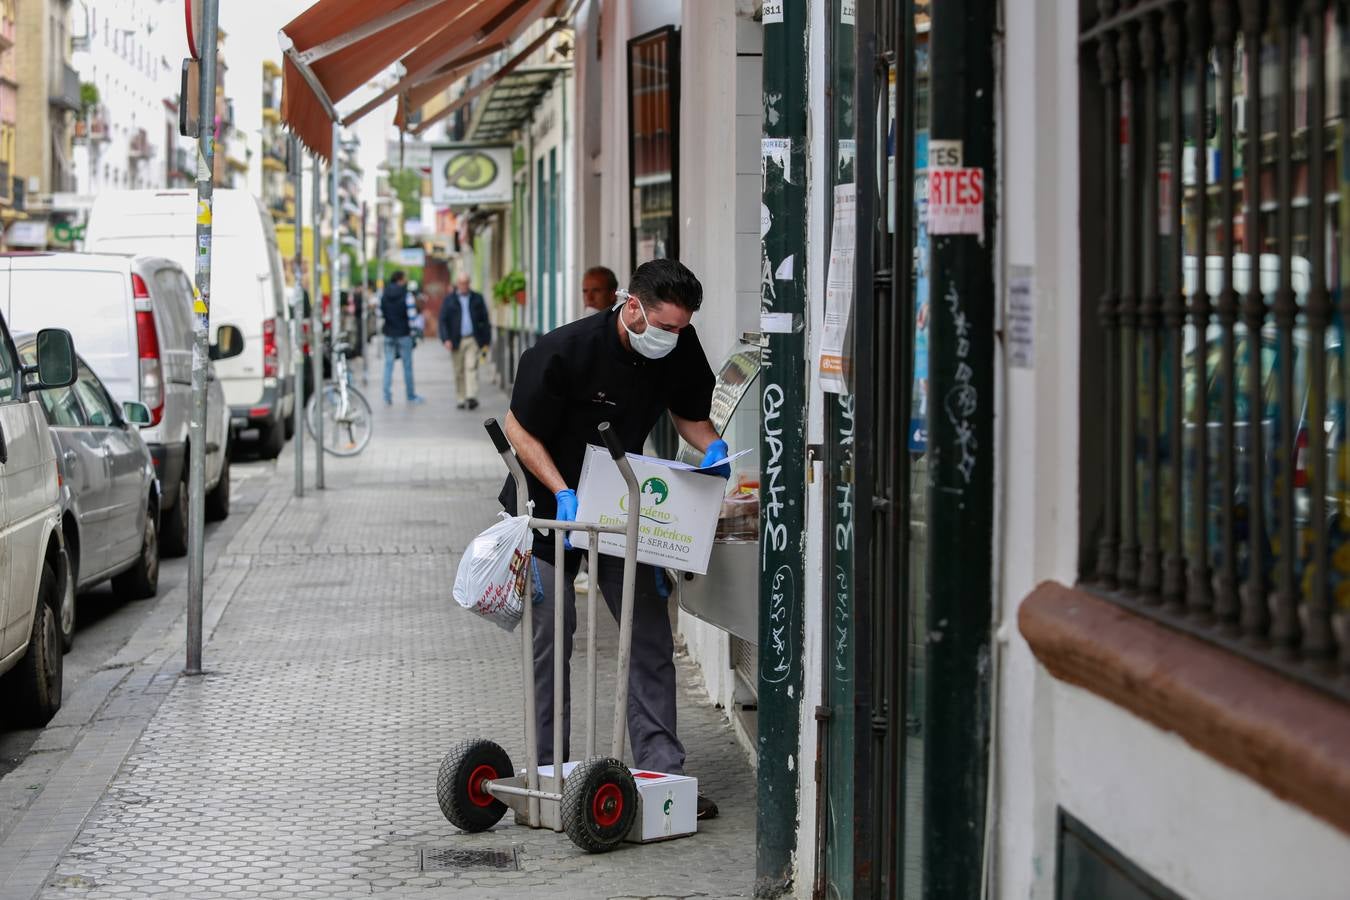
{"x":55,"y":366}
{"x":137,"y":414}
{"x":229,"y":343}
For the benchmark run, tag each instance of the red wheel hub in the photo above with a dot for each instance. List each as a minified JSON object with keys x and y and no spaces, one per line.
{"x":607,"y":806}
{"x":478,"y":794}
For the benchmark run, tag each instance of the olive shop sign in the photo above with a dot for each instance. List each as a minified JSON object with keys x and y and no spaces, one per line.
{"x":471,"y":175}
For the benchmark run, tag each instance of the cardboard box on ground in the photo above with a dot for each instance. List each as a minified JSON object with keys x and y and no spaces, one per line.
{"x":667,"y":804}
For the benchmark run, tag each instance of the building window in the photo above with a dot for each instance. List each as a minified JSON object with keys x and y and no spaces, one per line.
{"x":1089,"y":867}
{"x":1216,"y":465}
{"x":653,"y":148}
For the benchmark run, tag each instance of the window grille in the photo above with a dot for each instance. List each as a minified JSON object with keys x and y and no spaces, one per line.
{"x":1216,"y":467}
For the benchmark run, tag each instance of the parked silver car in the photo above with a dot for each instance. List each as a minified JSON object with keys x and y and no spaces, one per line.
{"x":109,"y":491}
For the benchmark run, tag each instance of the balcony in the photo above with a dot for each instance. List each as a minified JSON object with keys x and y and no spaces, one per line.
{"x":138,"y":147}
{"x":6,"y":194}
{"x":66,"y":90}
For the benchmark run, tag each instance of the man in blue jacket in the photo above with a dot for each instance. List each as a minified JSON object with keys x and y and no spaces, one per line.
{"x":398,"y":340}
{"x":466,"y":333}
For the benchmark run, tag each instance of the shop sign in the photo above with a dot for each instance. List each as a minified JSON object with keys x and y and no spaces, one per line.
{"x":30,"y":235}
{"x":471,"y":175}
{"x":956,"y":201}
{"x":407,"y":154}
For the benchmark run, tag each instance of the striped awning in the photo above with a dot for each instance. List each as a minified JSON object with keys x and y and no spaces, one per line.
{"x":337,"y":46}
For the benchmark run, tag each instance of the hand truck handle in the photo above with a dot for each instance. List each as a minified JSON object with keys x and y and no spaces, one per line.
{"x":498,"y":436}
{"x":611,"y":440}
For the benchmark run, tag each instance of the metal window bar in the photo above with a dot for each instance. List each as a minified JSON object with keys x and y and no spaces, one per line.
{"x":1220,"y":491}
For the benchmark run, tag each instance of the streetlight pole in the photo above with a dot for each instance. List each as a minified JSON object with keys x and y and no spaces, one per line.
{"x":337,"y":219}
{"x":298,"y":317}
{"x":201,"y":338}
{"x":316,"y":326}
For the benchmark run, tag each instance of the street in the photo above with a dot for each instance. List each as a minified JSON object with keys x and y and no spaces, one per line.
{"x":338,"y":673}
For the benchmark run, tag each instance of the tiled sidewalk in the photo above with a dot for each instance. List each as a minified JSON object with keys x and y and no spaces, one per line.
{"x":303,"y":764}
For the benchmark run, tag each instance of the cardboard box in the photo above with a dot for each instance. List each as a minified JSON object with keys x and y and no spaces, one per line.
{"x":679,"y":505}
{"x":667,"y":804}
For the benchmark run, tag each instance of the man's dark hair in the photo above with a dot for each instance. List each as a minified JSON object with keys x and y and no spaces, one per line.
{"x":605,"y":272}
{"x":397,"y":277}
{"x":666,"y":281}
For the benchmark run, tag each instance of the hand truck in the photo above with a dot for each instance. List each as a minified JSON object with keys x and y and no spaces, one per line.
{"x":596,"y":800}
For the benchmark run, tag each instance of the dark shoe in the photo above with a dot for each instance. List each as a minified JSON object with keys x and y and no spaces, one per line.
{"x":707,"y":809}
{"x":417,"y":400}
{"x":461,"y":405}
{"x":473,"y":403}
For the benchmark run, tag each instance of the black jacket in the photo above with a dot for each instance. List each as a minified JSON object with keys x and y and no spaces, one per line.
{"x":478,"y":316}
{"x":394,"y":306}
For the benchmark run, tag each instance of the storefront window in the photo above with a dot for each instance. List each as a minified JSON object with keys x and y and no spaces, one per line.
{"x":653,"y":150}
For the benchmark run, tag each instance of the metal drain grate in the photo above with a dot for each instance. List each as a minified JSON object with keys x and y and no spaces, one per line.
{"x":448,"y":859}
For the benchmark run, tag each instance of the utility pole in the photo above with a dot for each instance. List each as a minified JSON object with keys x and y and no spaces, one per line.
{"x":201,"y":338}
{"x":298,"y":316}
{"x":316,"y":325}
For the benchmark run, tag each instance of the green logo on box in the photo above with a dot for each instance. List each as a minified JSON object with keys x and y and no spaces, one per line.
{"x":657,"y":488}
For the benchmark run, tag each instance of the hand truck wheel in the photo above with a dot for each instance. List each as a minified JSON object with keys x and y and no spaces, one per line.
{"x":599,"y":804}
{"x":459,"y":785}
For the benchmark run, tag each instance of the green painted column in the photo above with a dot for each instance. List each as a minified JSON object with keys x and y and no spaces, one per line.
{"x":961,"y":445}
{"x":782,"y":441}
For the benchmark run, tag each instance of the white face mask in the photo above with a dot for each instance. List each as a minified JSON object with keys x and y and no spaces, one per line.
{"x":654,"y":343}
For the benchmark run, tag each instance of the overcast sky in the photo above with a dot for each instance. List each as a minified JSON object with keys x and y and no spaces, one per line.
{"x":250,"y":28}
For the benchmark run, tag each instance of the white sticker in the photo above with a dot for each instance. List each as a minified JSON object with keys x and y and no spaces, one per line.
{"x":784,"y":272}
{"x":765,"y":220}
{"x":775,"y":323}
{"x":1021,"y":317}
{"x":945,"y":154}
{"x":773,"y":11}
{"x":956,"y":201}
{"x":847,"y":9}
{"x":780,"y":151}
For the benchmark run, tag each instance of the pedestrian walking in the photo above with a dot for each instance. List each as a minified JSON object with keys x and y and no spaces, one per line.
{"x":629,"y":367}
{"x":398,"y":343}
{"x":466,"y":333}
{"x":599,"y":287}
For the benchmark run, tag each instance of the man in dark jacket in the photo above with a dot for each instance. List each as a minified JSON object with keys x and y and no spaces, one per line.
{"x":466,"y":333}
{"x":397,"y":337}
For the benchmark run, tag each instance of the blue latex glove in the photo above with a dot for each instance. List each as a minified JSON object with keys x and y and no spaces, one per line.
{"x":567,"y":510}
{"x":717,"y":450}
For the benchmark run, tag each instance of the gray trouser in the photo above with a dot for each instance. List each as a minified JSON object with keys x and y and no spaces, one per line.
{"x":651,"y":672}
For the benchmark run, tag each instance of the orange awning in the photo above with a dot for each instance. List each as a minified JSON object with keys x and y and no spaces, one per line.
{"x":337,"y":46}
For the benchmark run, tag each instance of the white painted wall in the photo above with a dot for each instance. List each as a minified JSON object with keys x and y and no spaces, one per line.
{"x":1202,"y":829}
{"x":721,"y":51}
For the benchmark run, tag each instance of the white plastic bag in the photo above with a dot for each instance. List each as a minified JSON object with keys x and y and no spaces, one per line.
{"x":491,"y":579}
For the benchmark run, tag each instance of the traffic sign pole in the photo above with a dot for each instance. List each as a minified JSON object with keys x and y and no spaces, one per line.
{"x":201,"y":349}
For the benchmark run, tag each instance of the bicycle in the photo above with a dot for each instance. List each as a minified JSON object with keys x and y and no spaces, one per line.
{"x":347,"y":421}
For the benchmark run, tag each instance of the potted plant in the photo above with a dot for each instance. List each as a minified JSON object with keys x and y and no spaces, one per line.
{"x":512,"y":286}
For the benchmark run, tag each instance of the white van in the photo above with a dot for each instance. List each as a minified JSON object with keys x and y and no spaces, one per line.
{"x":34,"y":572}
{"x":247,"y":290}
{"x":131,"y":317}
